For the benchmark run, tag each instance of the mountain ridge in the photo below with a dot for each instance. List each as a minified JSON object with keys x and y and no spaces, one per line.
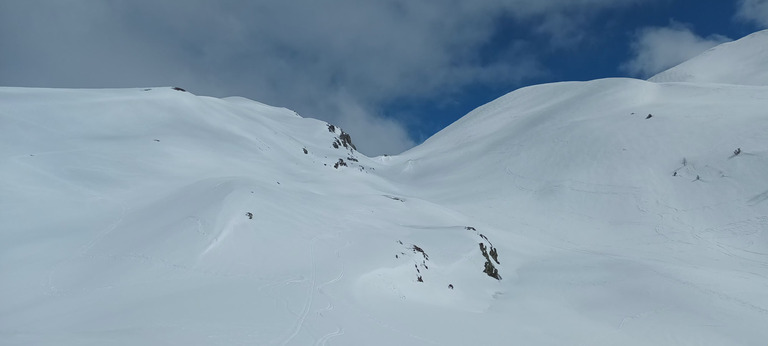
{"x":613,"y":211}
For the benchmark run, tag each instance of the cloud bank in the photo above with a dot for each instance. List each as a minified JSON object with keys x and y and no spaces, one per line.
{"x":656,"y":49}
{"x":339,"y":60}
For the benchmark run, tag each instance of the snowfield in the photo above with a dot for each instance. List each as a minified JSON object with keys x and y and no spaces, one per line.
{"x":608,"y":212}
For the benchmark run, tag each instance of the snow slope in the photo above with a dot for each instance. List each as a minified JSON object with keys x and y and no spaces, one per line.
{"x":664,"y":229}
{"x":742,"y":61}
{"x":124,"y":219}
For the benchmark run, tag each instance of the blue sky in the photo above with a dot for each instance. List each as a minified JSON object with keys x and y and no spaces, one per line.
{"x":390,"y":72}
{"x":609,"y":45}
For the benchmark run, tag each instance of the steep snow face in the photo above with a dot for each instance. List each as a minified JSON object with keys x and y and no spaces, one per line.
{"x":740,"y":62}
{"x":557,"y":213}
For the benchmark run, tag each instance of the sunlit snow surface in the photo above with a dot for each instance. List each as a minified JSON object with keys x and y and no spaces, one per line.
{"x":123,"y":221}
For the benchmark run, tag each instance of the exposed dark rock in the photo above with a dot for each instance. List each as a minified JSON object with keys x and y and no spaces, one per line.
{"x":420,"y":250}
{"x":491,"y":271}
{"x":395,"y":198}
{"x":339,"y":163}
{"x":495,"y":255}
{"x":416,"y":265}
{"x":488,"y":268}
{"x":178,"y":89}
{"x":346,"y":140}
{"x":343,"y":140}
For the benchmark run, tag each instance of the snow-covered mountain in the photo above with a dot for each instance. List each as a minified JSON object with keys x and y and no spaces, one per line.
{"x":741,"y":62}
{"x":609,"y":212}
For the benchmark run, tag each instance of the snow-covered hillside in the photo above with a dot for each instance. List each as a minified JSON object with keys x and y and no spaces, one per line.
{"x":743,"y":61}
{"x":609,"y":212}
{"x":664,"y":229}
{"x":160,"y":217}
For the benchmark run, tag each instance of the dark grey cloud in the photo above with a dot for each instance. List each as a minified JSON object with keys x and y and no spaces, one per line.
{"x":336,"y":60}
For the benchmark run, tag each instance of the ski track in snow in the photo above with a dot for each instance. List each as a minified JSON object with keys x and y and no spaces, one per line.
{"x":315,"y":288}
{"x":299,"y":323}
{"x":325,"y":338}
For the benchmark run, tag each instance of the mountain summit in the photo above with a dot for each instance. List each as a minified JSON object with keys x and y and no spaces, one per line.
{"x":741,"y":62}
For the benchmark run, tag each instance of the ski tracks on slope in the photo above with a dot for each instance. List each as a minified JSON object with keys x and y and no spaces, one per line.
{"x":324,"y":339}
{"x":310,"y":296}
{"x":339,"y":331}
{"x":315,"y":288}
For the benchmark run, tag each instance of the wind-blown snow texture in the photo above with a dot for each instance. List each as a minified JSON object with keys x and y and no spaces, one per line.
{"x":124,"y":219}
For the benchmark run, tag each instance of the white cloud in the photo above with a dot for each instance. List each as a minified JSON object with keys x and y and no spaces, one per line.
{"x":754,"y":11}
{"x":370,"y":131}
{"x":656,"y":49}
